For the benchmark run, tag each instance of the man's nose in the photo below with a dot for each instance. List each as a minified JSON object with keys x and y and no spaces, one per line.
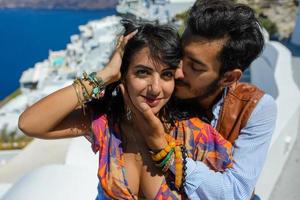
{"x":179,"y":71}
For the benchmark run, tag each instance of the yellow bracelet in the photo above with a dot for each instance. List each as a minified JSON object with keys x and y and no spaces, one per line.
{"x":178,"y":167}
{"x":178,"y":160}
{"x":160,"y":155}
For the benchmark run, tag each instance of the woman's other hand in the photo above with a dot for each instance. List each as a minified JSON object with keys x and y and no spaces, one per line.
{"x":111,"y":72}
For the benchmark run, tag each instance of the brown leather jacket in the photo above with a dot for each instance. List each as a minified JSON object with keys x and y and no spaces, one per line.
{"x":239,"y":102}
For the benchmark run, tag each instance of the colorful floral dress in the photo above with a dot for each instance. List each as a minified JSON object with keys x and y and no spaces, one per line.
{"x":201,"y":140}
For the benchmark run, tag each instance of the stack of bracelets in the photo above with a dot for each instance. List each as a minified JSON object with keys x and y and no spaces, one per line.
{"x":98,"y":90}
{"x":176,"y":152}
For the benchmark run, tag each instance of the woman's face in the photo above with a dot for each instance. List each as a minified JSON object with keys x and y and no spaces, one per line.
{"x":148,"y":82}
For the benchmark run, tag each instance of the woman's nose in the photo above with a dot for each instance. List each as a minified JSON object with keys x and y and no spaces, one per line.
{"x":155,"y":86}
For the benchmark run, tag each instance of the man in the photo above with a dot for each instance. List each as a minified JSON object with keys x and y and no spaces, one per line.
{"x":221,"y":41}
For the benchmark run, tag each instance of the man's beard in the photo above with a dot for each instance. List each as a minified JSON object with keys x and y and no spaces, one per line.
{"x":200,"y":94}
{"x":211,"y":89}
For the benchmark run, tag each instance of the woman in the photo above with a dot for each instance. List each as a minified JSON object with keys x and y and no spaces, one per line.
{"x":143,"y":68}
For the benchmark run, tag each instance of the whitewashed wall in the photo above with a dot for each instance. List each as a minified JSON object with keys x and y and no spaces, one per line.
{"x":273,"y":73}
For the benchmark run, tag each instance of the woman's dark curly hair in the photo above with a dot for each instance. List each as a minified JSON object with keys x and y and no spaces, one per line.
{"x":164,"y":46}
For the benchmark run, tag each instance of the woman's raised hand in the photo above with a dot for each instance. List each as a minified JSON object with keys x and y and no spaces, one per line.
{"x":111,"y":72}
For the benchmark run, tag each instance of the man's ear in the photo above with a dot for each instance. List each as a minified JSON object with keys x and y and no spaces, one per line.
{"x":231,"y":77}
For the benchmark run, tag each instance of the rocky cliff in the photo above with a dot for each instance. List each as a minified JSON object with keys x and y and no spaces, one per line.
{"x":281,"y":12}
{"x":58,"y":4}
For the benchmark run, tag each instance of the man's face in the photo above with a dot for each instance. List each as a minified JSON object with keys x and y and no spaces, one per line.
{"x":200,"y":68}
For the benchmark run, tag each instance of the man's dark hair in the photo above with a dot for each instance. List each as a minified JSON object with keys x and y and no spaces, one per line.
{"x":236,"y":23}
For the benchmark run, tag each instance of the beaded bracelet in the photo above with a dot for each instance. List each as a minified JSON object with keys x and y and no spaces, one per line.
{"x":85,"y":93}
{"x":184,"y":156}
{"x":178,"y":167}
{"x":98,"y":90}
{"x":164,"y":152}
{"x":166,"y":159}
{"x":165,"y":155}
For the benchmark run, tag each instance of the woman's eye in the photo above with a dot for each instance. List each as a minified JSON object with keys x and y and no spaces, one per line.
{"x":142,"y":72}
{"x":168,"y":74}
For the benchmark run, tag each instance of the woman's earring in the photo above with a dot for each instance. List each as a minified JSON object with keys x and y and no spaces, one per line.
{"x":115,"y":91}
{"x":128,"y":113}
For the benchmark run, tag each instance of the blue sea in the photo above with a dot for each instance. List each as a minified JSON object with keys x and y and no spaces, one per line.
{"x":26,"y":35}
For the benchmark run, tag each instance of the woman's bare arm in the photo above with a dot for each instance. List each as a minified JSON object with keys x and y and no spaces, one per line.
{"x":58,"y":115}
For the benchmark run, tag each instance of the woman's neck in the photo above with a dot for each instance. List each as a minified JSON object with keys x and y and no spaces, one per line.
{"x":130,"y":134}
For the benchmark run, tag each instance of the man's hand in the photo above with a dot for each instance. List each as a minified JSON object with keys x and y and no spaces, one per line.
{"x":146,"y":122}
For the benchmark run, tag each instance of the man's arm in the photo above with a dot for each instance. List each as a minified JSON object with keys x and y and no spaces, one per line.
{"x":249,"y":153}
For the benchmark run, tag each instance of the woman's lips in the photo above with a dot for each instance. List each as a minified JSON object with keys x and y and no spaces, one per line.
{"x":152,"y":102}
